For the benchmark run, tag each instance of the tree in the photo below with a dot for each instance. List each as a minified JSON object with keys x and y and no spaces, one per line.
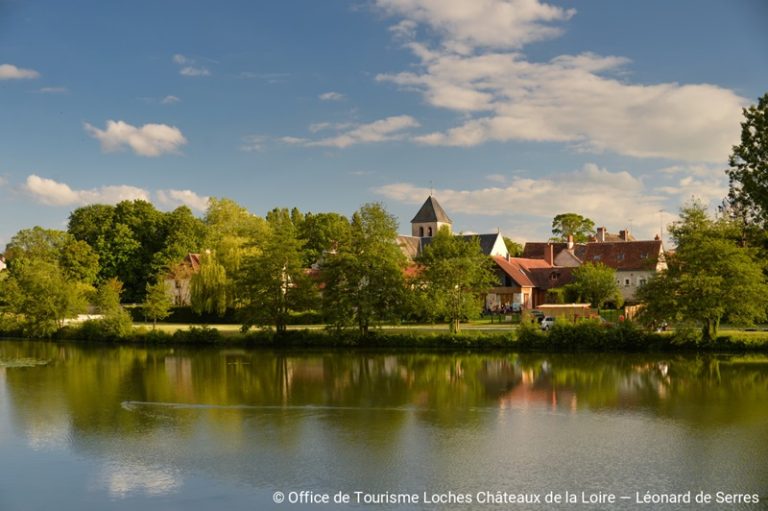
{"x":41,"y":296}
{"x":116,"y":321}
{"x":157,"y":303}
{"x":275,"y":281}
{"x":596,"y":283}
{"x":455,"y":275}
{"x":566,"y":224}
{"x":709,"y":277}
{"x":322,"y":233}
{"x":514,"y":248}
{"x":748,"y":172}
{"x":208,"y":287}
{"x":364,"y":280}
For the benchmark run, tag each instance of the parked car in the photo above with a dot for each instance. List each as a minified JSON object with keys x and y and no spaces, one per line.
{"x":547,"y":322}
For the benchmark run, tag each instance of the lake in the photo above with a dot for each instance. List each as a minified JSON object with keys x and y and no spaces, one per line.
{"x":95,"y":427}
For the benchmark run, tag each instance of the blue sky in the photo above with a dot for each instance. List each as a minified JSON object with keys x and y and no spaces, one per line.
{"x":511,"y":110}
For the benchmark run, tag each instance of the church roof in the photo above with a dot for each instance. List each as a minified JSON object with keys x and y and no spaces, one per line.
{"x":431,"y":211}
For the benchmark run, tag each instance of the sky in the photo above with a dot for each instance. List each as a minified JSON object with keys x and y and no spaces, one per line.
{"x":508,"y":111}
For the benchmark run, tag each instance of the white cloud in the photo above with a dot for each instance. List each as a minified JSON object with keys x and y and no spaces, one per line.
{"x":481,"y":23}
{"x":175,"y":198}
{"x":707,"y":183}
{"x":581,"y":100}
{"x":390,"y":128}
{"x":331,"y":96}
{"x":189,"y":66}
{"x":148,"y":140}
{"x":11,"y":72}
{"x":169,"y":100}
{"x":53,"y":193}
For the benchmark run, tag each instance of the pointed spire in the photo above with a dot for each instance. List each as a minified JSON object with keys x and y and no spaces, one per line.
{"x":431,"y":211}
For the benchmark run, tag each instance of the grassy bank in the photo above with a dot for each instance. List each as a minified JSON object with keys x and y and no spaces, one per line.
{"x":585,"y":336}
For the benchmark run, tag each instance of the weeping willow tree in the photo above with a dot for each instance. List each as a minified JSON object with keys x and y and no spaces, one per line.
{"x":208,"y":287}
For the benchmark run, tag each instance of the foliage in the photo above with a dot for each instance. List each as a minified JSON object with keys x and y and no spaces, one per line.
{"x":41,"y":296}
{"x":134,"y":241}
{"x":208,"y":287}
{"x":748,"y":172}
{"x":323,"y":233}
{"x":275,"y":281}
{"x":514,"y":248}
{"x":455,"y":275}
{"x":709,"y":277}
{"x":596,"y":283}
{"x":77,"y":259}
{"x":157,"y":303}
{"x":574,"y":224}
{"x":363,"y":280}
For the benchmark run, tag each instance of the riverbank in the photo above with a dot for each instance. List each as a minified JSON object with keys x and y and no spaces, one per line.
{"x":581,"y":337}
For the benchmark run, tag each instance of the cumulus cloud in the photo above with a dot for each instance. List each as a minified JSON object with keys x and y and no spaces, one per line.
{"x":148,"y":140}
{"x":485,"y":23}
{"x":581,"y":100}
{"x":331,"y":96}
{"x":11,"y":72}
{"x":253,"y":143}
{"x":383,"y":130}
{"x":616,"y":199}
{"x":169,"y":100}
{"x":53,"y":193}
{"x":176,"y":198}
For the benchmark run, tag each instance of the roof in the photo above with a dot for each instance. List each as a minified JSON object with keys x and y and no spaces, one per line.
{"x":537,"y":249}
{"x":410,"y":245}
{"x":431,"y":211}
{"x":534,"y":272}
{"x":487,"y":241}
{"x":624,"y":255}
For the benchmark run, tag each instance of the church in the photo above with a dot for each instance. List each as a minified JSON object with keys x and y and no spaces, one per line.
{"x":428,"y":222}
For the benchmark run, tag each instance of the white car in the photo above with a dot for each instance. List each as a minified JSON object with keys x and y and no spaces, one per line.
{"x":547,"y":322}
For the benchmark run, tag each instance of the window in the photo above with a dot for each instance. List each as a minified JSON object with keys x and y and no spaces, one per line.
{"x":642,"y":282}
{"x":430,"y":232}
{"x":619,"y":257}
{"x":627,"y":283}
{"x":597,"y":257}
{"x":644,"y":255}
{"x":421,"y":232}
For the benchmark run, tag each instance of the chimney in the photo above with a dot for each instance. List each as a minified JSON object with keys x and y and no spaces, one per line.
{"x":601,"y":234}
{"x":570,"y":242}
{"x":549,"y":254}
{"x":624,"y":235}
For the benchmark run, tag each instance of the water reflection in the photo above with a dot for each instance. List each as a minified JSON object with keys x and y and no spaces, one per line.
{"x":155,"y":418}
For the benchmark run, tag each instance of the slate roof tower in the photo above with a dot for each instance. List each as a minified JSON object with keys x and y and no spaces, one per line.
{"x":430,"y":219}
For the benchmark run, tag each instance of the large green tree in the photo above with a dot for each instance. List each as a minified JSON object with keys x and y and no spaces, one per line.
{"x":275,"y":281}
{"x":748,"y":172}
{"x":363,"y":279}
{"x":709,"y":277}
{"x":596,"y":284}
{"x":209,"y":286}
{"x":455,"y":275}
{"x":566,"y":224}
{"x":41,"y":296}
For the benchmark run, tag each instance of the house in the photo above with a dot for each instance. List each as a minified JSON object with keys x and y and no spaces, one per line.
{"x":430,"y":218}
{"x":635,"y":261}
{"x":3,"y":266}
{"x":179,"y":278}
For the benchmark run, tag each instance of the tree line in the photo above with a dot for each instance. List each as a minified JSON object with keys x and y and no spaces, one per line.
{"x":351,"y":271}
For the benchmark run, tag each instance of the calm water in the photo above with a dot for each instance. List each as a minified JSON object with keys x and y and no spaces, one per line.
{"x":84,"y":427}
